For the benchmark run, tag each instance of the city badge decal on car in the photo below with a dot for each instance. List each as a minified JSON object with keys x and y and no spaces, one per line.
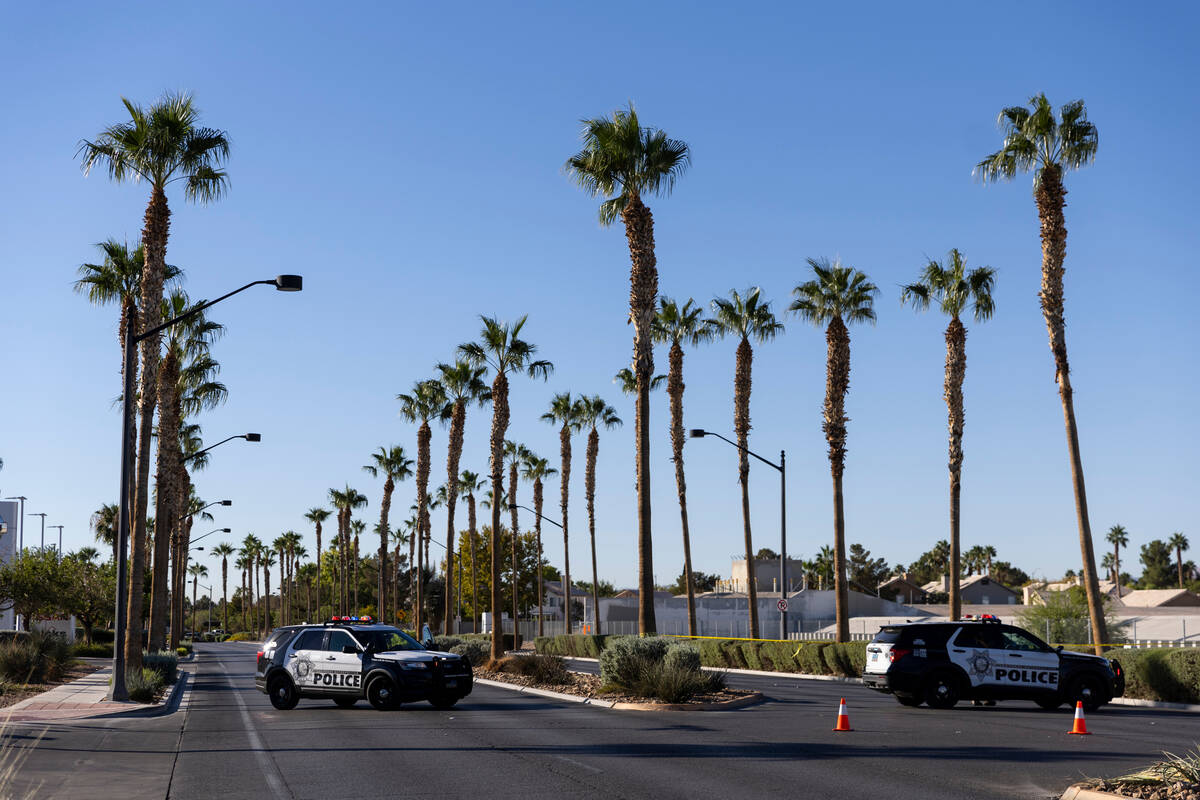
{"x":981,"y":665}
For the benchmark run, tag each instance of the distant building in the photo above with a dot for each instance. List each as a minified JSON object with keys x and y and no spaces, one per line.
{"x":10,"y":527}
{"x":977,"y":590}
{"x":903,"y":590}
{"x":1161,"y":598}
{"x":766,"y":575}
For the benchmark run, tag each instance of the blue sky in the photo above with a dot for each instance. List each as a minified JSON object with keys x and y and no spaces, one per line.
{"x":406,"y":159}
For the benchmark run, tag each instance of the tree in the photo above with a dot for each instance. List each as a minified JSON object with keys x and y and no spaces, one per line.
{"x":1063,"y":617}
{"x":1035,"y":140}
{"x":677,"y":325}
{"x":516,"y":455}
{"x":1156,"y":565}
{"x":223,"y":551}
{"x":317,"y":516}
{"x":357,"y":526}
{"x":837,"y":296}
{"x":266,"y":559}
{"x":700,"y":582}
{"x":32,"y":585}
{"x":427,"y":400}
{"x":104,"y":526}
{"x":535,"y":469}
{"x":593,"y":411}
{"x":765,"y":554}
{"x":161,"y":145}
{"x":623,"y":162}
{"x":1108,"y":564}
{"x":395,"y":466}
{"x":952,"y":287}
{"x":470,"y":483}
{"x":1118,"y":537}
{"x":1180,"y":543}
{"x":250,"y":551}
{"x":501,"y":348}
{"x":198,"y":571}
{"x":464,"y":385}
{"x":527,"y":572}
{"x":244,"y":563}
{"x":745,"y":317}
{"x":89,"y":589}
{"x":1008,"y":575}
{"x":565,"y":412}
{"x":865,"y":571}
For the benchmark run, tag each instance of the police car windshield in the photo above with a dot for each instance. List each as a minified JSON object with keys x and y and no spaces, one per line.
{"x":388,"y":640}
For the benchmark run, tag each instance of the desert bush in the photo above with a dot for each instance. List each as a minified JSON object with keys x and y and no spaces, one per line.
{"x":682,"y":656}
{"x":550,"y":670}
{"x":35,"y":658}
{"x":475,"y":652}
{"x":164,"y":662}
{"x":243,"y":636}
{"x":580,"y":645}
{"x":675,"y":682}
{"x":625,"y":657}
{"x":93,"y":650}
{"x":446,"y":643}
{"x":144,"y":685}
{"x":1167,"y":674}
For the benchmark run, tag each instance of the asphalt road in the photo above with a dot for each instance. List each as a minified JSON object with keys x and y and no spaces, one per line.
{"x":230,"y":743}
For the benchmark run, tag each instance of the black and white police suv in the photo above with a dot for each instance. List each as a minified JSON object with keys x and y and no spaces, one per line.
{"x":349,"y":658}
{"x":940,"y":663}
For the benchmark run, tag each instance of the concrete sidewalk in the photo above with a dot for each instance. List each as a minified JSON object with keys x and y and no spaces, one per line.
{"x":86,"y":698}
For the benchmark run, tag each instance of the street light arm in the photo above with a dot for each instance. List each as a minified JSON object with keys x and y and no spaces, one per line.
{"x":194,"y":311}
{"x":748,"y":451}
{"x":511,"y":506}
{"x":210,"y":533}
{"x":199,"y":453}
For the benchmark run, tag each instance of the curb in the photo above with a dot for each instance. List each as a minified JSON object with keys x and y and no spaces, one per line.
{"x":725,"y":705}
{"x":570,"y":698}
{"x":760,"y":673}
{"x":1078,"y":792}
{"x":1133,"y":701}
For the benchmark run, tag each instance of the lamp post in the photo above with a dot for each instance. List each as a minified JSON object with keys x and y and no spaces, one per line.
{"x":210,"y":533}
{"x":541,"y":581}
{"x":448,"y":578}
{"x":210,"y":603}
{"x":118,"y":691}
{"x":21,"y":538}
{"x":700,"y":433}
{"x":60,"y":527}
{"x":249,"y":437}
{"x":43,"y":516}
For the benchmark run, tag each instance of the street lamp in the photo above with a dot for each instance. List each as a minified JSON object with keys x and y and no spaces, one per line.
{"x":210,"y":604}
{"x":541,"y":580}
{"x":460,"y":605}
{"x":249,"y":437}
{"x":118,"y":691}
{"x":21,"y":540}
{"x":60,"y":527}
{"x":700,"y":433}
{"x":43,"y":516}
{"x":210,"y":533}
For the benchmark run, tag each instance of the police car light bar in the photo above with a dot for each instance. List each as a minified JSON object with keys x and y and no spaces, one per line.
{"x":351,"y":619}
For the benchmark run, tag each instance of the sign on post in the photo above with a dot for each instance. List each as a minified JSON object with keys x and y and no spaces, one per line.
{"x":782,"y":604}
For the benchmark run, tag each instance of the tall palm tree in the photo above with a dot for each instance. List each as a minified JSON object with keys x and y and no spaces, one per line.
{"x":293,"y":549}
{"x":624,"y":162}
{"x":464,"y":385}
{"x":676,"y":326}
{"x":427,"y":400}
{"x":357,"y":526}
{"x":223,"y":551}
{"x":280,"y":545}
{"x":1034,"y":139}
{"x":317,"y":516}
{"x":250,"y":550}
{"x":1180,"y":543}
{"x":197,"y":571}
{"x":836,"y":297}
{"x":515,"y":454}
{"x":1118,"y":537}
{"x":104,"y":526}
{"x":535,"y":469}
{"x":297,"y":556}
{"x":243,"y":563}
{"x":191,"y":508}
{"x":501,"y":348}
{"x":470,"y":483}
{"x":395,"y":466}
{"x":989,"y":552}
{"x":593,"y":412}
{"x":628,"y":381}
{"x":564,"y":412}
{"x":266,"y":559}
{"x":161,"y":144}
{"x":952,"y":287}
{"x":745,"y":317}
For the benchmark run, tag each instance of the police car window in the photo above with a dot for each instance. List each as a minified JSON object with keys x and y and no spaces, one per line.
{"x":309,"y":640}
{"x":888,"y":635}
{"x":390,"y":640}
{"x":338,"y":640}
{"x":1019,"y":640}
{"x":978,"y":636}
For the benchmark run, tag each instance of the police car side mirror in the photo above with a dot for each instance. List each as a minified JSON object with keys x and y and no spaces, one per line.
{"x":1058,"y":649}
{"x":349,"y":649}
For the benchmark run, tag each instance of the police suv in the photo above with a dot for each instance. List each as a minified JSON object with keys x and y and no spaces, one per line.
{"x":940,"y":663}
{"x":350,"y":658}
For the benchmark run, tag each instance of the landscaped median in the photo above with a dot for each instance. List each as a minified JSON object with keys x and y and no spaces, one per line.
{"x":1175,"y":777}
{"x":1170,"y":675}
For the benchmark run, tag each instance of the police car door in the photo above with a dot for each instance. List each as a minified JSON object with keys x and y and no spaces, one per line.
{"x":974,"y":648}
{"x":1025,"y":662}
{"x":341,"y":671}
{"x":304,"y":653}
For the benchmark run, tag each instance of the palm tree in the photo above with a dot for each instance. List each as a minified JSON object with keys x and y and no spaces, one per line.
{"x":224,"y":550}
{"x":1180,"y":543}
{"x":294,"y":548}
{"x":357,"y":526}
{"x":197,"y":571}
{"x":280,"y":545}
{"x":628,"y":381}
{"x":470,"y":482}
{"x":104,"y":526}
{"x":622,"y":161}
{"x":501,"y":348}
{"x":297,"y":554}
{"x":317,"y":516}
{"x":395,"y":466}
{"x":161,"y":145}
{"x":952,"y":286}
{"x":266,"y":559}
{"x":565,"y":412}
{"x":839,"y":295}
{"x":989,"y":552}
{"x":746,"y":317}
{"x":1107,"y":563}
{"x":251,"y":547}
{"x":244,"y":563}
{"x":427,"y":400}
{"x":1118,"y":537}
{"x":464,"y":385}
{"x":1035,"y":140}
{"x":593,"y":411}
{"x":534,"y":469}
{"x":678,"y":325}
{"x":516,"y":455}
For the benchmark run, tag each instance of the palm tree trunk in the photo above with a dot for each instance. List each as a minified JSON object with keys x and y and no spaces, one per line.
{"x":537,"y":527}
{"x":675,"y":388}
{"x":385,"y":506}
{"x":458,"y":421}
{"x":1179,"y":564}
{"x":956,"y":370}
{"x":471,"y":531}
{"x":129,"y":316}
{"x":516,"y":578}
{"x":282,"y":583}
{"x":267,"y":598}
{"x":837,"y":382}
{"x":423,"y":436}
{"x":195,"y":583}
{"x":357,"y":607}
{"x":413,"y":535}
{"x":164,"y":513}
{"x":741,"y":428}
{"x":225,"y":594}
{"x":318,"y":524}
{"x":589,"y":491}
{"x":245,"y":601}
{"x":496,"y":463}
{"x":643,"y":283}
{"x":564,"y":443}
{"x":1051,"y":198}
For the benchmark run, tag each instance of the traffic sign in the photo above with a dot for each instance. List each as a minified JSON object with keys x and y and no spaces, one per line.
{"x":782,"y":604}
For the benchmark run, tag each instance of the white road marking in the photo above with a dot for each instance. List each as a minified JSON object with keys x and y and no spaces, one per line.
{"x":579,"y":764}
{"x":269,"y":770}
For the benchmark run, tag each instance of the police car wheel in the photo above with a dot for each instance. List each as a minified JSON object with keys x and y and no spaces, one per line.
{"x":941,"y":690}
{"x":1049,"y":703}
{"x":282,"y":693}
{"x":911,"y":702}
{"x":1087,"y":690}
{"x":443,"y":701}
{"x":345,"y":702}
{"x":381,"y":694}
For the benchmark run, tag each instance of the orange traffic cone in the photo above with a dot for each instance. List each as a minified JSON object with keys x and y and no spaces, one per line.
{"x":1080,"y":723}
{"x":843,"y":723}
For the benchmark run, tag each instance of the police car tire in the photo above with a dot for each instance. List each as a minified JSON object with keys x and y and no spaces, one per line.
{"x":381,"y":694}
{"x":282,"y":692}
{"x":942,"y":690}
{"x":911,"y":702}
{"x":1089,"y":690}
{"x":1049,"y":703}
{"x":345,"y":702}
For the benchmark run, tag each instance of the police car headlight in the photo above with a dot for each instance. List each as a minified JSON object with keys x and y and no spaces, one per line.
{"x":415,"y":665}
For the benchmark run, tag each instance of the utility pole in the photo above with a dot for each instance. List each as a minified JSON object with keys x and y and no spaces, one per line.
{"x":43,"y":516}
{"x":60,"y":527}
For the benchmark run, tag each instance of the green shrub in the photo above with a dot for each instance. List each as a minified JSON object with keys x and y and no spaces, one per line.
{"x":777,"y":656}
{"x":164,"y":662}
{"x":622,"y":661}
{"x":35,"y":658}
{"x":476,"y":653}
{"x":550,"y":670}
{"x":578,"y":645}
{"x":446,"y":643}
{"x":1167,"y":674}
{"x":244,"y":636}
{"x":808,"y":658}
{"x":682,"y":656}
{"x":182,"y":652}
{"x":144,"y":685}
{"x":675,"y":682}
{"x":94,"y":650}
